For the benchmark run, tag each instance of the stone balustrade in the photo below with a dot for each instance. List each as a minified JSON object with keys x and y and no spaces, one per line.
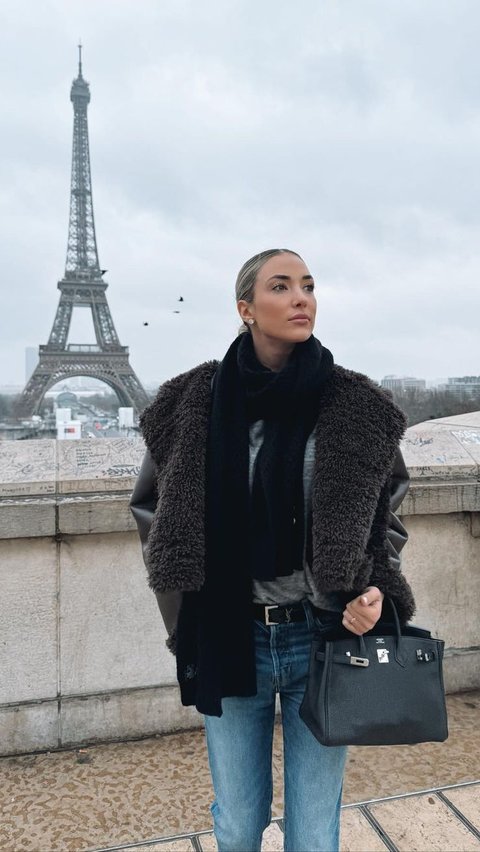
{"x":82,"y":653}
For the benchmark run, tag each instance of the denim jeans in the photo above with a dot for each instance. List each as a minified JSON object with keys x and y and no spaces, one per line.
{"x":240,"y":753}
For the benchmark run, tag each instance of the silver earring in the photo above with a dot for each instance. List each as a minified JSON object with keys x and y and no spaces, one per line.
{"x":251,"y":321}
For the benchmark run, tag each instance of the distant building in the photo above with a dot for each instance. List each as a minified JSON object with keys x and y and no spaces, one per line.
{"x":87,"y":383}
{"x":66,"y":399}
{"x":31,"y":360}
{"x":402,"y":383}
{"x":464,"y":385}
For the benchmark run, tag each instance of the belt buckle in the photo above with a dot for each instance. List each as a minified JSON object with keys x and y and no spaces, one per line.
{"x":267,"y":614}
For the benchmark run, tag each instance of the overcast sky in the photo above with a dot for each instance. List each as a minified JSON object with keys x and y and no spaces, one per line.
{"x":348,"y":131}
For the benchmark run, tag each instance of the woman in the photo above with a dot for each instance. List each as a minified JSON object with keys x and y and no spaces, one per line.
{"x":265,"y":505}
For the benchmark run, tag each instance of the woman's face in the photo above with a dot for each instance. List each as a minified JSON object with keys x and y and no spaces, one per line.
{"x":284,"y":304}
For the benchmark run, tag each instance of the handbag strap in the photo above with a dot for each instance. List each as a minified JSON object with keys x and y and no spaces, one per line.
{"x":395,"y":616}
{"x":400,"y":651}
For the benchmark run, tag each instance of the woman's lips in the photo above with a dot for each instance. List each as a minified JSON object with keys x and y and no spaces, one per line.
{"x":300,"y":319}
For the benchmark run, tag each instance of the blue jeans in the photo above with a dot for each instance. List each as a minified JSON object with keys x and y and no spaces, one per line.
{"x":240,"y":753}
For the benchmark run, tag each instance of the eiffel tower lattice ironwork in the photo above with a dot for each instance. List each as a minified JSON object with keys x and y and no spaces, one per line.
{"x":82,"y":286}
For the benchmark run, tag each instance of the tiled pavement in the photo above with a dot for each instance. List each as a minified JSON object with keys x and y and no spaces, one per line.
{"x":447,"y":819}
{"x":155,"y":794}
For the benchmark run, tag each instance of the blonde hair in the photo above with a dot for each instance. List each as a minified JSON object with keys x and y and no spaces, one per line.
{"x":245,"y":283}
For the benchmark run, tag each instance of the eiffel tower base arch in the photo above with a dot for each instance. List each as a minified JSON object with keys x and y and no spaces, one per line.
{"x":113,"y":368}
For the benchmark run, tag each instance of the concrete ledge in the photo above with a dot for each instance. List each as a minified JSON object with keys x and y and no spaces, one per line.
{"x":27,"y":468}
{"x":30,"y":517}
{"x":125,"y":715}
{"x":41,"y":467}
{"x":441,"y":498}
{"x":461,"y":669}
{"x":89,"y":483}
{"x":445,"y":450}
{"x":102,"y":513}
{"x":29,"y":727}
{"x":36,"y":517}
{"x":81,"y":720}
{"x":94,"y":514}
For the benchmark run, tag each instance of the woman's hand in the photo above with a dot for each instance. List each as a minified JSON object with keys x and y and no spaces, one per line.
{"x":363,"y":612}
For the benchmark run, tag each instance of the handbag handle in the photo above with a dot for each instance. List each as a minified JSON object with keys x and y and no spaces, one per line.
{"x":400,"y":652}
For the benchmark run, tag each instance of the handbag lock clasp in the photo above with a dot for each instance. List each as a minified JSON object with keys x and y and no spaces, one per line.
{"x":358,"y":661}
{"x":425,"y":656}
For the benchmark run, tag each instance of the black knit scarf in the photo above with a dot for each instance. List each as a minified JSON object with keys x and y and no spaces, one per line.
{"x":288,"y":403}
{"x":258,"y":533}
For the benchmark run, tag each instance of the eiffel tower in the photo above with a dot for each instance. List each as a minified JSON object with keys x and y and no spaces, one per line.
{"x":82,"y":286}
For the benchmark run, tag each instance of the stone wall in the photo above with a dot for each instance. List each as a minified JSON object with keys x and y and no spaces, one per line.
{"x":82,"y":653}
{"x":442,"y":558}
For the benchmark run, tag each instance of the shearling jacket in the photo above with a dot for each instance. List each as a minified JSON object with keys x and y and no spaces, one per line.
{"x":359,"y":481}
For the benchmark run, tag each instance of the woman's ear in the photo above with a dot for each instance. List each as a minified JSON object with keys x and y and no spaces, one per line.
{"x":245,"y":310}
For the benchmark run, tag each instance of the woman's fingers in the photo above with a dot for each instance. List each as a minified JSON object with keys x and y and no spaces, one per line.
{"x":370,"y":596}
{"x":361,"y":614}
{"x":356,"y":623}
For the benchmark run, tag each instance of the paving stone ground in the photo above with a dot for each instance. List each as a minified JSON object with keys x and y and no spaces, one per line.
{"x":414,"y":823}
{"x":155,"y":794}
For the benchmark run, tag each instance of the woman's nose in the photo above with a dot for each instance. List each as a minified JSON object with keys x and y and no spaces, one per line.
{"x":299,"y":297}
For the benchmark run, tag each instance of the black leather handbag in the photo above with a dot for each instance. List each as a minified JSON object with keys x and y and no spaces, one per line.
{"x":382,"y":688}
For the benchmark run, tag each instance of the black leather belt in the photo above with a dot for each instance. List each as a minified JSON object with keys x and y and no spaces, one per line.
{"x":279,"y":614}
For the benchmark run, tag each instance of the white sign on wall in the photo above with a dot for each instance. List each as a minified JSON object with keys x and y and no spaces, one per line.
{"x":70,"y":430}
{"x":62,"y":415}
{"x":125,"y":418}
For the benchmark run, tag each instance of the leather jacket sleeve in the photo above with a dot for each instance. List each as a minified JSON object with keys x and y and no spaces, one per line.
{"x":142,"y":505}
{"x":388,"y":577}
{"x":144,"y":499}
{"x":397,"y":535}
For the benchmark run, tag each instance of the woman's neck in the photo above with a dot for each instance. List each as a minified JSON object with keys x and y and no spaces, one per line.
{"x":273,"y":354}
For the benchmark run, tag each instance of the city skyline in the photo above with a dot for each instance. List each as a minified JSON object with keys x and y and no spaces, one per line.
{"x":328,"y":130}
{"x":90,"y":384}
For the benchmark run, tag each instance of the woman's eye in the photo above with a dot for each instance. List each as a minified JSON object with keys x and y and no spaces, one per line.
{"x":279,"y":287}
{"x":310,"y":287}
